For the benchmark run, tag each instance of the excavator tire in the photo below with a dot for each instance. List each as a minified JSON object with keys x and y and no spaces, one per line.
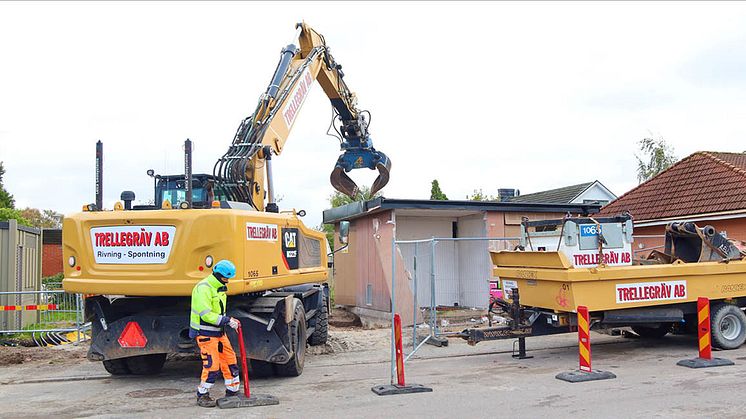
{"x":298,"y":338}
{"x":260,"y":369}
{"x":146,"y":364}
{"x":116,"y":366}
{"x":321,"y":332}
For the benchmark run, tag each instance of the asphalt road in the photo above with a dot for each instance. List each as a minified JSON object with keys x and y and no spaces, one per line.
{"x":481,"y":381}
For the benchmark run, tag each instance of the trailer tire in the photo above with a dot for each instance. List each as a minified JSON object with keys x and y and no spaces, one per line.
{"x":656,"y":332}
{"x":116,"y":366}
{"x":321,"y":332}
{"x":728,"y":326}
{"x":297,"y":330}
{"x":146,"y":364}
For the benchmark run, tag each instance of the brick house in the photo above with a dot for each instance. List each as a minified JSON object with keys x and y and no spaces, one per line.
{"x":51,"y":240}
{"x":705,"y":188}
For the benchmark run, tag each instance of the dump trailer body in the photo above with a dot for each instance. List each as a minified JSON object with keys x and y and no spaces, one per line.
{"x":166,"y":252}
{"x":547,"y":280}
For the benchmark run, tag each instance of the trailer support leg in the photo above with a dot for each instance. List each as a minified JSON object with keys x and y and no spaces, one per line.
{"x":521,"y":349}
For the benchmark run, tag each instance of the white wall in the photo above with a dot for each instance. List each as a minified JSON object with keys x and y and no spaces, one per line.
{"x":474,"y":265}
{"x":594,"y":193}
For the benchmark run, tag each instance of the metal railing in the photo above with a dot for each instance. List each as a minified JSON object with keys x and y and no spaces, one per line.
{"x":45,"y":315}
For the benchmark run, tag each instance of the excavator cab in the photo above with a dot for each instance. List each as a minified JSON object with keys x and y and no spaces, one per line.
{"x":173,"y":189}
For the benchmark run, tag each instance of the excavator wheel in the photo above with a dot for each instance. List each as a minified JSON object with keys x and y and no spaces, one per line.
{"x":321,"y":331}
{"x":298,"y":337}
{"x":116,"y":366}
{"x":146,"y":364}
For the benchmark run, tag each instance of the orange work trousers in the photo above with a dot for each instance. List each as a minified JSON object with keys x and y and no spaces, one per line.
{"x":217,"y":356}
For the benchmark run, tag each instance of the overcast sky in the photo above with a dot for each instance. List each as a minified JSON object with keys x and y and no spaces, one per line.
{"x":477,"y":95}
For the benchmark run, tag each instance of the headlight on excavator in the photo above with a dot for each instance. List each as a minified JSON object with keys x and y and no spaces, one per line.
{"x":71,"y":261}
{"x":208,"y":261}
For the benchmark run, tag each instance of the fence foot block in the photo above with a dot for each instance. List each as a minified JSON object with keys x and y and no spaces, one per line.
{"x":438,"y":341}
{"x":390,"y":389}
{"x":243,"y":401}
{"x":704,"y":363}
{"x":578,"y":376}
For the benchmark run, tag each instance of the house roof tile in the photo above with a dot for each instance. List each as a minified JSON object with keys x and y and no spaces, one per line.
{"x":704,"y":182}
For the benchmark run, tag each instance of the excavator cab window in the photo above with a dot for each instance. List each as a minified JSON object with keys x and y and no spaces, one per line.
{"x":173,"y":188}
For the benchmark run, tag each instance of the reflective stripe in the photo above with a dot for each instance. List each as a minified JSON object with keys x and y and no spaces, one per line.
{"x":206,"y":385}
{"x":233,"y":388}
{"x":204,"y":327}
{"x":233,"y":380}
{"x":201,"y":313}
{"x":212,"y":328}
{"x":220,"y":318}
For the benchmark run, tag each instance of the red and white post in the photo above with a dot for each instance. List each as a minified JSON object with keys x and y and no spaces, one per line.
{"x":584,"y":372}
{"x":399,"y":351}
{"x":703,"y":328}
{"x":704,"y":340}
{"x":584,"y":339}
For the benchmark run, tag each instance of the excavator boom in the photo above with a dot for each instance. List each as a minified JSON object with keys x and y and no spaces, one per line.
{"x":241,"y":172}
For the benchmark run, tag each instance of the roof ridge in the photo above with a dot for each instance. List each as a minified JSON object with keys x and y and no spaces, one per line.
{"x":733,"y":167}
{"x":561,"y":187}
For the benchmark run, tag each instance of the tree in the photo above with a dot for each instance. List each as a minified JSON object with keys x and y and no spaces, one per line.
{"x":13,"y":214}
{"x":657,"y":156}
{"x":43,"y":219}
{"x":478,"y":195}
{"x":337,"y":199}
{"x":435,"y":193}
{"x":6,"y":199}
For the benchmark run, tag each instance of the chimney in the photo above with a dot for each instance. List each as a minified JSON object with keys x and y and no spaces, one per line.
{"x":505,"y":194}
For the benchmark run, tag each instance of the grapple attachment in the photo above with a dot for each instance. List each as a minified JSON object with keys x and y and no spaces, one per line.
{"x":358,"y":158}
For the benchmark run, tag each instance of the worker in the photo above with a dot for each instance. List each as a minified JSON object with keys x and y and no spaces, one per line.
{"x":207,"y":324}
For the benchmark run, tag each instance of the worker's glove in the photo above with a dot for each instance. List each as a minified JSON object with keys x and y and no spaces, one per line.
{"x":233,"y":323}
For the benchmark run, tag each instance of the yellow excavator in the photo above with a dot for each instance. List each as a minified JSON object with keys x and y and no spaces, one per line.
{"x":137,"y":264}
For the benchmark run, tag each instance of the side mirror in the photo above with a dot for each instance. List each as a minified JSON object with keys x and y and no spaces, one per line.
{"x":344,"y":231}
{"x":301,"y":213}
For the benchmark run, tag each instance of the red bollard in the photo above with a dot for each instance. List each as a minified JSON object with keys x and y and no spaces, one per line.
{"x":704,"y":340}
{"x":399,"y":351}
{"x":703,"y":328}
{"x":584,"y":339}
{"x":400,"y":387}
{"x":584,"y":371}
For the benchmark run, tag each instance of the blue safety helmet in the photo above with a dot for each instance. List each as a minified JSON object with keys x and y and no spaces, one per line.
{"x":225,"y":268}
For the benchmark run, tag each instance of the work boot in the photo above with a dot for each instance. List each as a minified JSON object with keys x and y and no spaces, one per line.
{"x":204,"y":400}
{"x":229,"y":393}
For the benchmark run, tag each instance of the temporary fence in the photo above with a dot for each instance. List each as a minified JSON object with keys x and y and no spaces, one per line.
{"x":440,"y":273}
{"x":46,"y":315}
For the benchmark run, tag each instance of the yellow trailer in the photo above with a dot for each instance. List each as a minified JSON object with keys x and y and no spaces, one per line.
{"x":653,"y":296}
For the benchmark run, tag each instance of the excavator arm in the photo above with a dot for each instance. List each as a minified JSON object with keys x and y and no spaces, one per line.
{"x":245,"y":169}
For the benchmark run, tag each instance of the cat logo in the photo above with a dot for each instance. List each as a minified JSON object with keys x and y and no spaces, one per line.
{"x":290,"y":237}
{"x":359,"y":162}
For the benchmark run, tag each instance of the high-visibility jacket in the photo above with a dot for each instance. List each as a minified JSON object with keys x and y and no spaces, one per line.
{"x":208,"y":308}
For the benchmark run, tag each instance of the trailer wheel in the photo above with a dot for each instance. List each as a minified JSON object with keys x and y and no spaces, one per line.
{"x":297,"y":329}
{"x":656,"y":332}
{"x":728,"y":326}
{"x":321,"y":332}
{"x":116,"y":366}
{"x":146,"y":364}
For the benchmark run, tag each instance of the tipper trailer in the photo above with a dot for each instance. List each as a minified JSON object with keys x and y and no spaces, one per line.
{"x":563,"y":264}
